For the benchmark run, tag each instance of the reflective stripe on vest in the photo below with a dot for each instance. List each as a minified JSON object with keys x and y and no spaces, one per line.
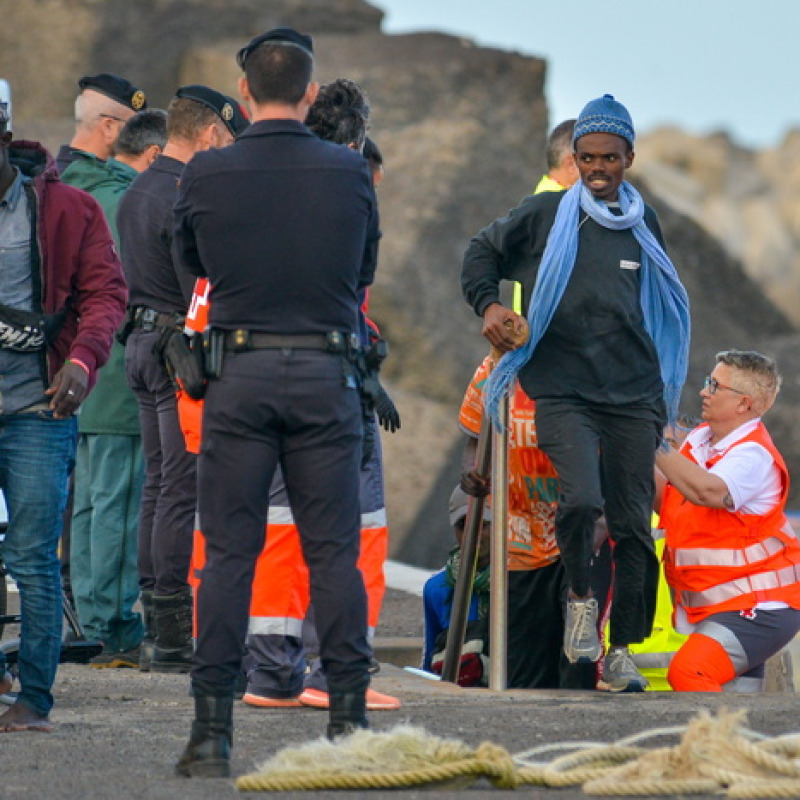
{"x":751,"y":584}
{"x":722,"y":557}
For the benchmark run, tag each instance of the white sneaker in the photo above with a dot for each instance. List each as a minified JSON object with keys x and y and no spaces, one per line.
{"x":581,"y":642}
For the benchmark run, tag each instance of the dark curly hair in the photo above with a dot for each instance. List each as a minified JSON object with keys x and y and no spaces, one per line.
{"x":340,"y":113}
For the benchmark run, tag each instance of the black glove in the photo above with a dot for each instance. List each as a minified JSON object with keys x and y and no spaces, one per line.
{"x":368,"y":441}
{"x":386,"y":411}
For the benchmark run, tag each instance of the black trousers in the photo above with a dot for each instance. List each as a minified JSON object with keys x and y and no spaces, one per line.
{"x":169,"y":494}
{"x":287,"y":407}
{"x":536,"y":657}
{"x":604,"y":456}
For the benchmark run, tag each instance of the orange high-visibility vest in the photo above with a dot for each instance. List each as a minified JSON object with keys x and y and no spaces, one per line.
{"x":718,"y":560}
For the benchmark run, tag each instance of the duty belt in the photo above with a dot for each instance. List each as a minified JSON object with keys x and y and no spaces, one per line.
{"x":334,"y":342}
{"x":149,"y":319}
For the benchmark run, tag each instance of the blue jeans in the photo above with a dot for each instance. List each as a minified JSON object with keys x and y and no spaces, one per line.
{"x":37,"y":453}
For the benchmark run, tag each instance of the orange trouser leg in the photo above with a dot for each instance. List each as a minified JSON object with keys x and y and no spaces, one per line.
{"x":280,"y":582}
{"x":190,"y":417}
{"x":195,"y":567}
{"x":372,"y":557}
{"x":701,"y":665}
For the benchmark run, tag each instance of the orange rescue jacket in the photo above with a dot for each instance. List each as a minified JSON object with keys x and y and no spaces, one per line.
{"x":719,"y":560}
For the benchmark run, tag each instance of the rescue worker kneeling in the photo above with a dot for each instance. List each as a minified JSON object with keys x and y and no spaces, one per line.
{"x":732,"y":559}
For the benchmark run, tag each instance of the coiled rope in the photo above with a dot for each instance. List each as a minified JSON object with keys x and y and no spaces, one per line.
{"x":716,"y":755}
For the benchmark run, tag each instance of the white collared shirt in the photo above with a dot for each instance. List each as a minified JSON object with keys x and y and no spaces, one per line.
{"x":749,"y":470}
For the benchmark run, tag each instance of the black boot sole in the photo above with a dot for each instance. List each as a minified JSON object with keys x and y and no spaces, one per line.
{"x":174,"y":668}
{"x":216,"y":768}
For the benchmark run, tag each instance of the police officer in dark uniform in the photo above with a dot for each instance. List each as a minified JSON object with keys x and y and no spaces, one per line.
{"x":198,"y":118}
{"x":285,"y":227}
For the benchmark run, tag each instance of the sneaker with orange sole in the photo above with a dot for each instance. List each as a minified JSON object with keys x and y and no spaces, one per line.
{"x":259,"y":701}
{"x":376,"y":701}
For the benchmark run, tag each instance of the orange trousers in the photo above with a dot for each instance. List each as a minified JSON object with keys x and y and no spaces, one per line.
{"x":701,"y":665}
{"x":281,"y":593}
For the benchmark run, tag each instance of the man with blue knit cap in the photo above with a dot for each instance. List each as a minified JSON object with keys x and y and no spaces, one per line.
{"x":605,"y":362}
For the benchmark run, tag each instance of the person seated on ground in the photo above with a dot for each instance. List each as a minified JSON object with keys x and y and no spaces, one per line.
{"x":537,"y":586}
{"x":437,"y":601}
{"x":732,"y":559}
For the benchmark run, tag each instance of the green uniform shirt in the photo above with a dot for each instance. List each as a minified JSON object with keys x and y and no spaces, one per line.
{"x":112,"y":407}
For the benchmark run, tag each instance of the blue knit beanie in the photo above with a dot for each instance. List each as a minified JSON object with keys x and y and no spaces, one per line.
{"x":604,"y":115}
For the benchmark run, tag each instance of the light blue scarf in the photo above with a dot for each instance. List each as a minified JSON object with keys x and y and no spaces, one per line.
{"x":665,"y":304}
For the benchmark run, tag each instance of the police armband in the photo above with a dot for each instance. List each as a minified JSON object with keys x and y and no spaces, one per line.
{"x":28,"y":331}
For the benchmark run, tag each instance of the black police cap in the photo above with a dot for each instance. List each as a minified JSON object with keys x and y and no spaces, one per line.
{"x":240,"y":120}
{"x":119,"y":89}
{"x":289,"y":35}
{"x":226,"y":108}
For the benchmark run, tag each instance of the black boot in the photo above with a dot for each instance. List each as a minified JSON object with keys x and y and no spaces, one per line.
{"x":208,"y":754}
{"x":173,"y":646}
{"x":348,"y":713}
{"x":146,"y":648}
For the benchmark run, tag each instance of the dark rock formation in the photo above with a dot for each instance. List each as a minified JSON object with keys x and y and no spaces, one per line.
{"x":462,"y":129}
{"x":46,"y":45}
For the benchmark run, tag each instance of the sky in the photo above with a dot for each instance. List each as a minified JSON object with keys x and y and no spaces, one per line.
{"x":703,"y":65}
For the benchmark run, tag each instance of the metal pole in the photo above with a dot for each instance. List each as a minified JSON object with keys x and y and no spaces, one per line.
{"x":462,"y":593}
{"x":498,"y":579}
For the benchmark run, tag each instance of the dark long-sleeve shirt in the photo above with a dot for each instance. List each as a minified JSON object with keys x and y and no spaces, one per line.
{"x":285,"y":227}
{"x":596,"y":348}
{"x":145,"y":225}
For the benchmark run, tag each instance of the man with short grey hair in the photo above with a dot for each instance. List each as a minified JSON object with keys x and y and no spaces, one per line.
{"x":105,"y":104}
{"x":109,"y":469}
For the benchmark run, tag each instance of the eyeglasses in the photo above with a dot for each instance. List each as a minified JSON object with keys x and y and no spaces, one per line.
{"x":713,"y":385}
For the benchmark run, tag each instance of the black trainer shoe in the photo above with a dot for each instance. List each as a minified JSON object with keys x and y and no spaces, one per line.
{"x":122,"y":659}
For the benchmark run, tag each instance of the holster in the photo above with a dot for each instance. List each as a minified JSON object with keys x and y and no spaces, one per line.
{"x":124,"y":333}
{"x":213,"y":352}
{"x":184,"y":362}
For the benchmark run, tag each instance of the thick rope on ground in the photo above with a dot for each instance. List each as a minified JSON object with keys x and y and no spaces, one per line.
{"x":402,"y":757}
{"x":716,"y":755}
{"x":712,"y":756}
